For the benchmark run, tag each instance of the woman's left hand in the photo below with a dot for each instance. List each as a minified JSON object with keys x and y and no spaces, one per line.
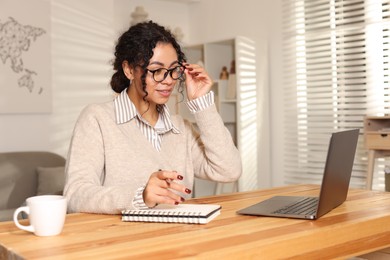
{"x":198,"y":82}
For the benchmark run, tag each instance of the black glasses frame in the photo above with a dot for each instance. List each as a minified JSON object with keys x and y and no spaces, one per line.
{"x":168,"y":71}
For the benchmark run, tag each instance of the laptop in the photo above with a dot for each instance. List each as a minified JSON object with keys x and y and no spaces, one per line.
{"x":334,"y":187}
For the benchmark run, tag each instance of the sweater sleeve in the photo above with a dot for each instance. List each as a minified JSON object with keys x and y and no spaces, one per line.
{"x":85,"y":171}
{"x":214,"y":154}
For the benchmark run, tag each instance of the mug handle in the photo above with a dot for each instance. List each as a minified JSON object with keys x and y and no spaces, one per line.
{"x":26,"y":209}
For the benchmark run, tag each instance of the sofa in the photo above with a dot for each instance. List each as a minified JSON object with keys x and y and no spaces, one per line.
{"x":27,"y":174}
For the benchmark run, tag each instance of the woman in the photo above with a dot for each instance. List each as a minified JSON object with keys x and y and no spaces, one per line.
{"x":130,"y":152}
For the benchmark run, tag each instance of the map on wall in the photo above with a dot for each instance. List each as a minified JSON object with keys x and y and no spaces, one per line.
{"x":25,"y":72}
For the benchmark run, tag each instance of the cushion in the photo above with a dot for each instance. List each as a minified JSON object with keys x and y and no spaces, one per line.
{"x":51,"y":180}
{"x":7,"y":214}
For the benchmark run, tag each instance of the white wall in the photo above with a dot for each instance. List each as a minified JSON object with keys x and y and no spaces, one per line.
{"x":276,"y":92}
{"x":83,"y":36}
{"x":171,"y":14}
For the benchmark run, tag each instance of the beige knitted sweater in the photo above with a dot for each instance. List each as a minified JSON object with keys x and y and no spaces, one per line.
{"x":108,"y":162}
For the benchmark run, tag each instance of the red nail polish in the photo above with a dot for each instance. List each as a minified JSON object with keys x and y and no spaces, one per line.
{"x":188,"y":191}
{"x":176,"y":203}
{"x":179,"y":177}
{"x":182,"y":199}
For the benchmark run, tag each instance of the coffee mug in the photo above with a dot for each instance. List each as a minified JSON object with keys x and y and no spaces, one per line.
{"x":46,"y":214}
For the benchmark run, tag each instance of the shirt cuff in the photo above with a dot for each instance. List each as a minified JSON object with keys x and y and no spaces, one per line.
{"x":138,"y":200}
{"x":201,"y":103}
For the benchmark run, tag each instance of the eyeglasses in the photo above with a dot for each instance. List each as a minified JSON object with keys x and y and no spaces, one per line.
{"x":161,"y":74}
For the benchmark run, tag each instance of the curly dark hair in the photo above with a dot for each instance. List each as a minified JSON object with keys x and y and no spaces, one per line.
{"x":136,"y":47}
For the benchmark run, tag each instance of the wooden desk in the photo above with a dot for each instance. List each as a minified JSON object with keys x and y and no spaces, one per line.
{"x":358,"y":226}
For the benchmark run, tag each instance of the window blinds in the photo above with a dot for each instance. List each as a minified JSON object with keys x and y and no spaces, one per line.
{"x":336,"y":67}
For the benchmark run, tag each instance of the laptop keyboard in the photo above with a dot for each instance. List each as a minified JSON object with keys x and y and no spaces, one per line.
{"x":306,"y":206}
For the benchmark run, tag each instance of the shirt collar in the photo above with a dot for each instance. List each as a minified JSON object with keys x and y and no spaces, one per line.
{"x":125,"y":111}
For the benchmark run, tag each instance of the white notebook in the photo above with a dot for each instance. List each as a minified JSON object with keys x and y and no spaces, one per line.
{"x":182,"y":213}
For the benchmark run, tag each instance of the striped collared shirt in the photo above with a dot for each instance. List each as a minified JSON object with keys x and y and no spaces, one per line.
{"x":126,"y":111}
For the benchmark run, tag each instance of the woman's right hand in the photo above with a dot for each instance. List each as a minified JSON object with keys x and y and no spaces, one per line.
{"x":160,"y":187}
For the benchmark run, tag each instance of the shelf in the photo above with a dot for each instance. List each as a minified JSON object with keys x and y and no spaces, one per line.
{"x":377,"y":141}
{"x":377,"y":132}
{"x":231,"y":104}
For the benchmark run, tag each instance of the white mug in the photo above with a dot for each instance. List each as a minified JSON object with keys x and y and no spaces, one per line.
{"x":46,"y":214}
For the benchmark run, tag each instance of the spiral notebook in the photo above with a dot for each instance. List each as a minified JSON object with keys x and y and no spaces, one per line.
{"x":182,"y":213}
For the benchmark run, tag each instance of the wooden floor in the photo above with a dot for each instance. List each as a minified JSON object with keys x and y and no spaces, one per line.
{"x":383,"y":254}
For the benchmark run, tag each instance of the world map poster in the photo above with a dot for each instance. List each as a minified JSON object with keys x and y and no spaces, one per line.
{"x":25,"y":69}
